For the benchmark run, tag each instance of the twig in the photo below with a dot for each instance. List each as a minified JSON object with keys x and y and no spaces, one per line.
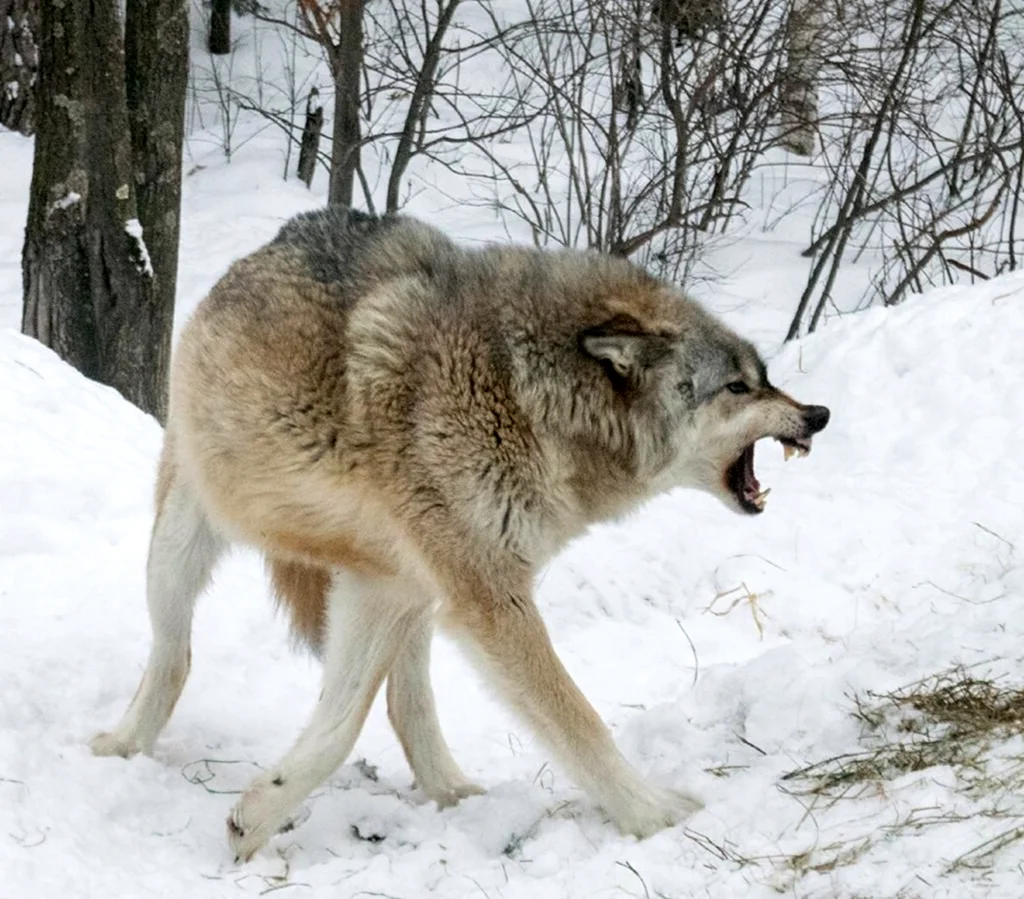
{"x":753,"y":746}
{"x":693,"y":649}
{"x":201,"y":778}
{"x":284,"y":886}
{"x":994,"y":534}
{"x":971,"y":858}
{"x":636,"y":874}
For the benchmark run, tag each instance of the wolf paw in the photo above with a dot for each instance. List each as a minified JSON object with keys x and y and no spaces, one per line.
{"x":260,"y":813}
{"x":104,"y":744}
{"x":446,"y":797}
{"x":655,"y":810}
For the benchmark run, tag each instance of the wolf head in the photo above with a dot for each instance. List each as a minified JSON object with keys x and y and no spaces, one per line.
{"x":670,"y":392}
{"x":707,"y":391}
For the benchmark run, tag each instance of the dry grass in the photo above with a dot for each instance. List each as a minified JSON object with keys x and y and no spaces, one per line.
{"x":956,"y":719}
{"x":950,"y":719}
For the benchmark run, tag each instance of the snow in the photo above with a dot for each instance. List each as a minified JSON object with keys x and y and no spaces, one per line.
{"x":886,"y":555}
{"x":134,"y":229}
{"x":723,"y":651}
{"x":70,"y":198}
{"x":15,"y":175}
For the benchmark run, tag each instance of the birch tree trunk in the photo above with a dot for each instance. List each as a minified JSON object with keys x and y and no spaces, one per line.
{"x":799,"y":100}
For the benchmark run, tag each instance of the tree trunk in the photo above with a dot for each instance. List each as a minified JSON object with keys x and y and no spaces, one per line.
{"x":156,"y":80}
{"x":220,"y":27}
{"x":88,"y":282}
{"x":346,"y":68}
{"x":799,"y":102}
{"x":55,"y":262}
{"x":310,"y":145}
{"x":19,"y":63}
{"x":689,"y":18}
{"x":419,"y":103}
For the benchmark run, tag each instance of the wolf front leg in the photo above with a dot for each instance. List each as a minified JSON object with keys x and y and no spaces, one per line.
{"x":506,"y":636}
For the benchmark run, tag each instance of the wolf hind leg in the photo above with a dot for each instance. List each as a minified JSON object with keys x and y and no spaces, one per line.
{"x":183,"y":549}
{"x":368,"y":621}
{"x":413,"y":715}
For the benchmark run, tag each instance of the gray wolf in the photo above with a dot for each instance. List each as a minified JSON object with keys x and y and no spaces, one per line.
{"x":408,"y":430}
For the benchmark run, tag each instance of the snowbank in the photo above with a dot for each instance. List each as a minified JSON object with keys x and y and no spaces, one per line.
{"x":888,"y":554}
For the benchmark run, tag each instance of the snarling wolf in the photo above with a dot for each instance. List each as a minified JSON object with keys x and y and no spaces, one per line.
{"x":408,"y":430}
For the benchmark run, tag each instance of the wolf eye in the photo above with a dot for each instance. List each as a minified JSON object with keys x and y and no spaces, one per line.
{"x":737,"y":387}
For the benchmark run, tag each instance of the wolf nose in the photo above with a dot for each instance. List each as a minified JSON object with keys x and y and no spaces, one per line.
{"x":816,"y":417}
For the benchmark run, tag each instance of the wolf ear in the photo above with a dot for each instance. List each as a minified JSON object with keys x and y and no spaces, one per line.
{"x":624,"y":348}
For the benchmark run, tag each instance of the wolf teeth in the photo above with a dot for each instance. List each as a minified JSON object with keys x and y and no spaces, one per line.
{"x":789,"y":451}
{"x":761,"y":497}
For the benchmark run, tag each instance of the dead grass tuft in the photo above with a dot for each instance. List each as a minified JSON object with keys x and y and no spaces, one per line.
{"x":949,"y":719}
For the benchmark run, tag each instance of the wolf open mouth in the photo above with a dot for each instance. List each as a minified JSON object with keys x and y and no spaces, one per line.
{"x":742,"y":481}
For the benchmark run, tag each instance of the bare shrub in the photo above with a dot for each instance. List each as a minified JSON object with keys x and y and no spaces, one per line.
{"x":923,"y":141}
{"x":640,"y":147}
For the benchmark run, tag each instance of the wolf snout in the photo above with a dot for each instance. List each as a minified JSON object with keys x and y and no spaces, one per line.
{"x":815,"y":418}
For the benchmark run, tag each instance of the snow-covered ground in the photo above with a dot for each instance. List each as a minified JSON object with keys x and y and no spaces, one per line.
{"x":724,"y":651}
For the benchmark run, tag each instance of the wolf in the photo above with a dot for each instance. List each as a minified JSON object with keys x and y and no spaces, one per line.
{"x":408,"y":430}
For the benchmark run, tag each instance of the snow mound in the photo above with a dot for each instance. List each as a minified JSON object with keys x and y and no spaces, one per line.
{"x":722,"y":650}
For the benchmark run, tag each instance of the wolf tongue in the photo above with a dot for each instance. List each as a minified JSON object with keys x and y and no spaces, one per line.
{"x":751,"y":486}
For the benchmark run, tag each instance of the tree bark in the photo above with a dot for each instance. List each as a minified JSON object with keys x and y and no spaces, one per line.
{"x":156,"y":81}
{"x":310,"y":145}
{"x":19,"y":63}
{"x":88,"y":282}
{"x":689,"y":18}
{"x":799,"y":119}
{"x":346,"y":68}
{"x":55,"y":262}
{"x":220,"y":27}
